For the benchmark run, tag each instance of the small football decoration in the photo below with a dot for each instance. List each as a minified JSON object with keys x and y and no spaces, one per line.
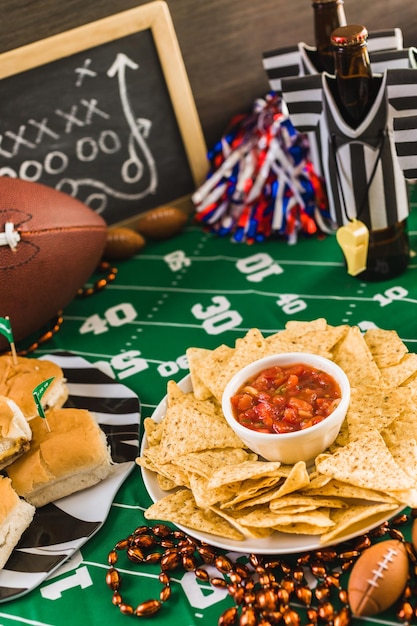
{"x":122,"y":243}
{"x":378,"y":578}
{"x":50,"y":244}
{"x":161,"y":223}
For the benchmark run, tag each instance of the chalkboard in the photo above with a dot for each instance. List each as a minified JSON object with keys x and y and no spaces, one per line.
{"x":105,"y":113}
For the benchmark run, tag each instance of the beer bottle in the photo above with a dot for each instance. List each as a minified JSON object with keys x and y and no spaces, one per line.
{"x":355,"y":91}
{"x":352,"y":68}
{"x":328,"y":15}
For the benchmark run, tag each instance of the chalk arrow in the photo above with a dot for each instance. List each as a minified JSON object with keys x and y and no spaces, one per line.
{"x":121,"y":62}
{"x":118,"y":69}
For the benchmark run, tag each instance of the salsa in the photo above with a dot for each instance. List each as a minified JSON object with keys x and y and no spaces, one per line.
{"x":284,"y":399}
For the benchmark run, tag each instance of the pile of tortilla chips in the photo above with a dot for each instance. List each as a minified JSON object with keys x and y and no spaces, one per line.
{"x":216,"y":485}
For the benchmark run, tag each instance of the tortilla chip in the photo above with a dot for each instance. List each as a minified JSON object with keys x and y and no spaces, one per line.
{"x":342,"y":438}
{"x":244,"y":471}
{"x":298,"y":528}
{"x":374,"y":408}
{"x":196,"y":358}
{"x":143,"y":461}
{"x":347,"y":520}
{"x":214,"y":368}
{"x":317,"y":480}
{"x":351,"y":352}
{"x":398,"y":374}
{"x":205,"y":462}
{"x":248,"y":531}
{"x":151,"y":455}
{"x":206,"y":496}
{"x":251,"y":489}
{"x":166,"y":484}
{"x":153,"y":431}
{"x":180,"y":508}
{"x":263,"y":517}
{"x":365,"y":462}
{"x":248,"y":348}
{"x":386,"y":346}
{"x":171,"y":471}
{"x":174,"y":473}
{"x":337,"y":489}
{"x":406,"y":497}
{"x":402,"y":446}
{"x":297,"y":478}
{"x":316,"y":337}
{"x":293,"y":478}
{"x":305,"y":503}
{"x":300,"y":328}
{"x":190,"y":425}
{"x":408,"y":415}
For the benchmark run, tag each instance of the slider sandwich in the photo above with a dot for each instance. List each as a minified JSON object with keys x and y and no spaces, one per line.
{"x":17,"y":382}
{"x":15,"y":432}
{"x":71,"y":456}
{"x":15,"y":516}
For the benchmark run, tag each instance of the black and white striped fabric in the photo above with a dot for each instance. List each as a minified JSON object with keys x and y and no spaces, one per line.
{"x":299,"y":59}
{"x":312,"y":107}
{"x":405,"y":134}
{"x":59,"y":529}
{"x":393,"y":59}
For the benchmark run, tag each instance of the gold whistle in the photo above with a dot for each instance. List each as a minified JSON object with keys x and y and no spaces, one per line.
{"x":354,"y":240}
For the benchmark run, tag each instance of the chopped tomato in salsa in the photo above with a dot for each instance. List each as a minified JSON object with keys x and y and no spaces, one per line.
{"x":285,"y":399}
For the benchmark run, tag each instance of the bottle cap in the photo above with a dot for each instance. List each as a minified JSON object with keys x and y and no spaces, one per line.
{"x":350,"y":35}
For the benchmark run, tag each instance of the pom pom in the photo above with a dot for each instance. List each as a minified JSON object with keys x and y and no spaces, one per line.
{"x":261,"y":183}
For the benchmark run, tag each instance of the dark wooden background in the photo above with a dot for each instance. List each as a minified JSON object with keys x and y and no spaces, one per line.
{"x":221,"y":40}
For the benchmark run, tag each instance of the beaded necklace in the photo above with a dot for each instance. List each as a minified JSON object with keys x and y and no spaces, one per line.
{"x":265,"y":591}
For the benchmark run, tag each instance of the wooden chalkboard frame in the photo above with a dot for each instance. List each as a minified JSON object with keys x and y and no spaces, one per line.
{"x":154,"y":16}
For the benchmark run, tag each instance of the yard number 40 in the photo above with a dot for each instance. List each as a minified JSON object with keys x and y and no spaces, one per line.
{"x":114,"y":316}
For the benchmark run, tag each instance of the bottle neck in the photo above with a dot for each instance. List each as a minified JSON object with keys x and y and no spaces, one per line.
{"x":327,"y":17}
{"x":354,"y":85}
{"x":352,"y":60}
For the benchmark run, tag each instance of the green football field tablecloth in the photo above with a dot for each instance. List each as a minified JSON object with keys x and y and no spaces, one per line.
{"x":193,"y":290}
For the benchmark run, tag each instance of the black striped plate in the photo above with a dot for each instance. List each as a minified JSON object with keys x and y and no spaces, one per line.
{"x":59,"y":529}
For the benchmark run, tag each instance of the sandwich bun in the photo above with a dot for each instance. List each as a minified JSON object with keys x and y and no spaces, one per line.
{"x":18,"y":380}
{"x":15,"y":432}
{"x":70,"y":457}
{"x":15,"y":516}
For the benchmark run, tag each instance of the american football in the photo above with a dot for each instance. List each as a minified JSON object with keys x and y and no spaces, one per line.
{"x":378,"y":578}
{"x":50,"y":244}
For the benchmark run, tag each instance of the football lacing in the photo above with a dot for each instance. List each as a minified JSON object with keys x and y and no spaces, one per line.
{"x":10,"y":237}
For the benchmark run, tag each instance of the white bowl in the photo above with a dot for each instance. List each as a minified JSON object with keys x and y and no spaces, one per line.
{"x":301,"y":445}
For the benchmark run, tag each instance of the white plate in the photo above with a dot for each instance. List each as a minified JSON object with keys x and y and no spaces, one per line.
{"x":277,"y":543}
{"x":59,"y":529}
